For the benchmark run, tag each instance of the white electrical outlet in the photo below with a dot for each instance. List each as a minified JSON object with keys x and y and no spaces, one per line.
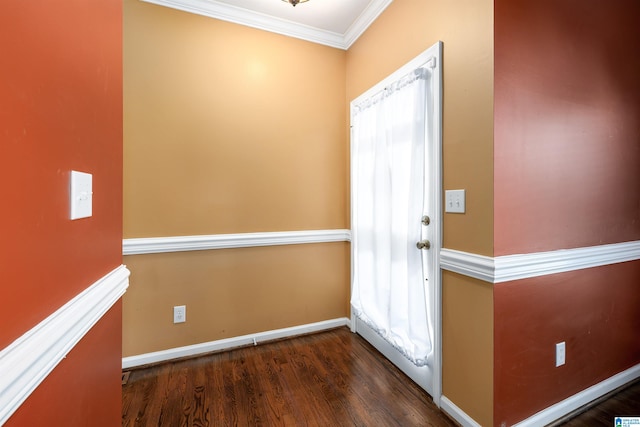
{"x":561,"y":353}
{"x":179,"y":314}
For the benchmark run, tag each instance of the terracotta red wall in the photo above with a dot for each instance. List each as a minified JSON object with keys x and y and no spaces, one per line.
{"x":567,"y":124}
{"x":594,"y":311}
{"x":567,"y":175}
{"x":60,"y":109}
{"x":85,"y":388}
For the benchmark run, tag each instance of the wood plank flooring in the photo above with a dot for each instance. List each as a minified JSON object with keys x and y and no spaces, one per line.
{"x":333,"y":378}
{"x":623,"y":403}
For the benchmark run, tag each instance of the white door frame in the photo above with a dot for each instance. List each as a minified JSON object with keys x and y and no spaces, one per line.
{"x":432,"y":58}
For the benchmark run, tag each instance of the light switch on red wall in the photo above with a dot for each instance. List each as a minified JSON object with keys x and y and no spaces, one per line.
{"x":81,"y":195}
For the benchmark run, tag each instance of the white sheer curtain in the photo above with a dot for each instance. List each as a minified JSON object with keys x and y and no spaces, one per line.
{"x":388,"y":156}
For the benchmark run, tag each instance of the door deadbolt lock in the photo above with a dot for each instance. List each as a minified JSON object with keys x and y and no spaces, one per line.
{"x":423,"y":244}
{"x":426,"y":220}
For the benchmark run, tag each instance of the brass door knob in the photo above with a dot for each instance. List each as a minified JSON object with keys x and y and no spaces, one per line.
{"x":423,"y":244}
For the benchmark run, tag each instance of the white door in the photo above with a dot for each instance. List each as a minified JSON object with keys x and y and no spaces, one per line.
{"x":396,"y":217}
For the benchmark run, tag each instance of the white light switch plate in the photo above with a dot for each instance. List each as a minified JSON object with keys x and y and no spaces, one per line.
{"x":561,"y":353}
{"x":81,"y":195}
{"x":454,"y":201}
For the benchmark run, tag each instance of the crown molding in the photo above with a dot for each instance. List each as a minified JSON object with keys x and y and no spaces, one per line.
{"x":237,"y":15}
{"x":360,"y":25}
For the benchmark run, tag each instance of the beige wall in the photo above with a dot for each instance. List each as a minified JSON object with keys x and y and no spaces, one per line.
{"x":230,"y":293}
{"x":467,"y":341}
{"x":403,"y":31}
{"x":229,"y":129}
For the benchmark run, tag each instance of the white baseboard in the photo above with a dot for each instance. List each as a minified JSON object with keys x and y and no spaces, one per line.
{"x":26,"y":362}
{"x":567,"y":406}
{"x":229,"y":343}
{"x":456,"y":413}
{"x":557,"y":411}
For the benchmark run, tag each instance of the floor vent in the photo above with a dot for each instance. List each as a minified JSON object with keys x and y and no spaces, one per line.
{"x":125,"y":377}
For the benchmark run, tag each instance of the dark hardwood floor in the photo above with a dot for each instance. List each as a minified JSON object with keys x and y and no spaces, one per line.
{"x":333,"y":378}
{"x":622,"y":403}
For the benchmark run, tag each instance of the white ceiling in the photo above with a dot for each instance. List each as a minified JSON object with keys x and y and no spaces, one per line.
{"x":335,"y":23}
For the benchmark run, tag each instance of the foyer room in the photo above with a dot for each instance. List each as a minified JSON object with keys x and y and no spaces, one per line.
{"x":198,"y":127}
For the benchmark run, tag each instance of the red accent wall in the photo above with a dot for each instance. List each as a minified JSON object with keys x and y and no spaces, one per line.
{"x":567,"y":175}
{"x":85,"y":388}
{"x":60,"y":110}
{"x":567,"y":124}
{"x":595,"y":311}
